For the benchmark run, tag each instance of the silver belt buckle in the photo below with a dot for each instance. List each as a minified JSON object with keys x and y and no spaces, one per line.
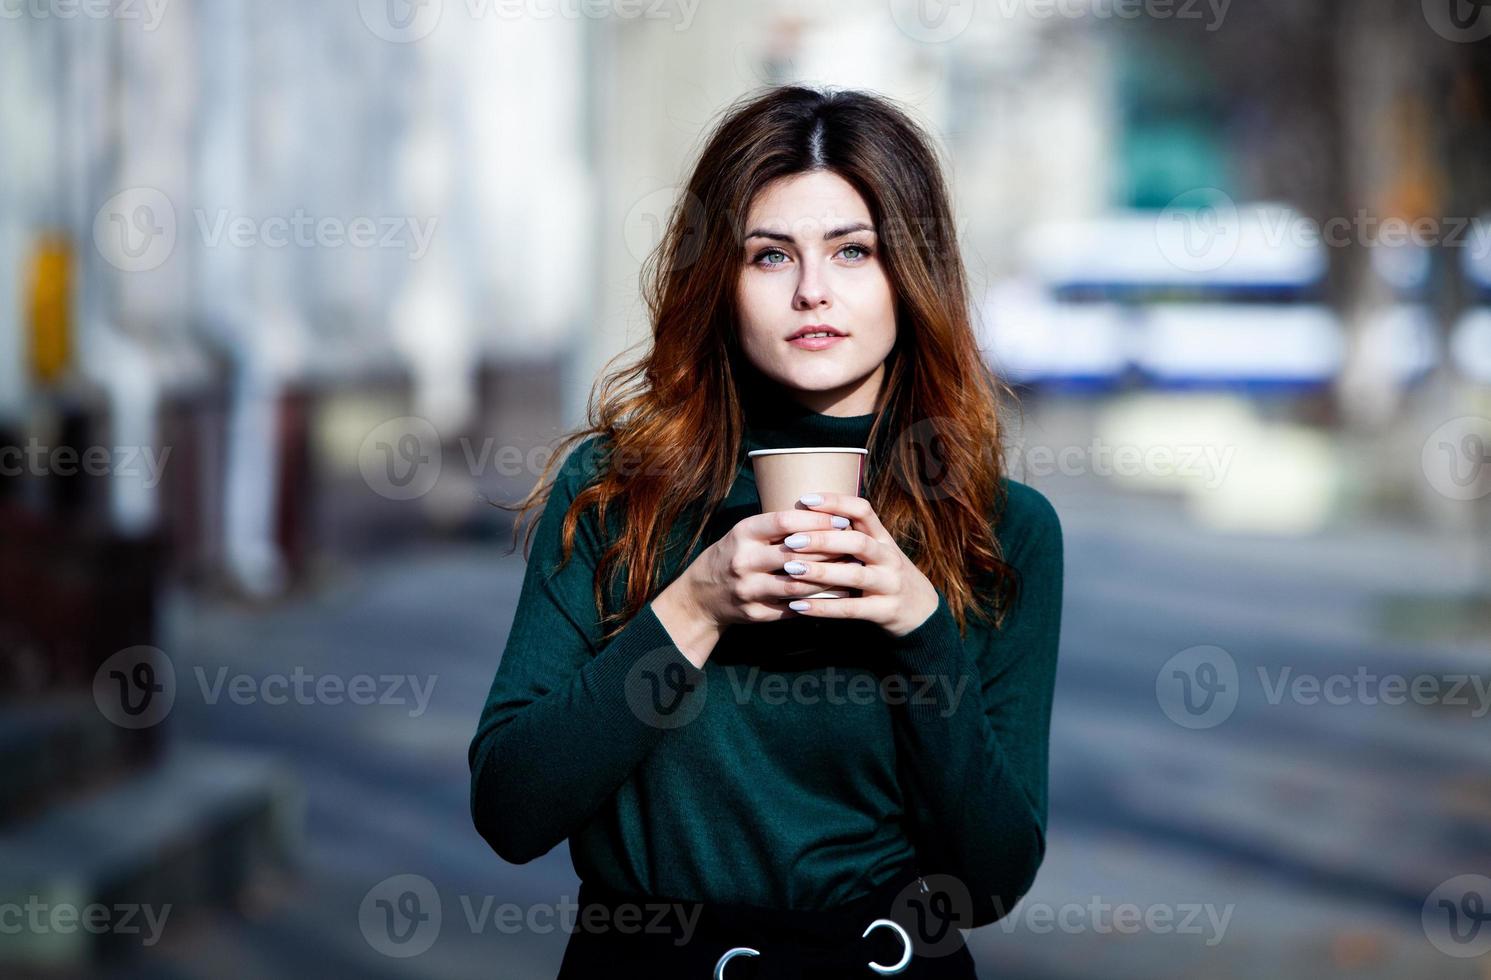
{"x":880,"y":968}
{"x":900,"y":964}
{"x":730,"y":954}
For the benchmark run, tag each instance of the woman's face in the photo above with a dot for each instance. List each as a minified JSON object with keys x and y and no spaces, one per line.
{"x":812,"y":257}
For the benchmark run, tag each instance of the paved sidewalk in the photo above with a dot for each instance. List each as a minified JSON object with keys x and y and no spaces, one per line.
{"x":1322,"y":827}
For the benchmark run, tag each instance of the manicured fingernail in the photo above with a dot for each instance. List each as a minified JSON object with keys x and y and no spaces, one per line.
{"x":795,"y":568}
{"x":796,"y":540}
{"x":840,"y":522}
{"x":811,"y":499}
{"x":799,"y":605}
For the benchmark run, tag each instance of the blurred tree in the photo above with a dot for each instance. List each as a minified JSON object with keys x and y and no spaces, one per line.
{"x":1352,"y":111}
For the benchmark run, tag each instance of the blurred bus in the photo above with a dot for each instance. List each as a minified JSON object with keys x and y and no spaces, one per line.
{"x":1470,"y":341}
{"x":1215,"y":296}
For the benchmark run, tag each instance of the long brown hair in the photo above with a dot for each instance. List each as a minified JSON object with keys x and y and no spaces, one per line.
{"x":937,"y":487}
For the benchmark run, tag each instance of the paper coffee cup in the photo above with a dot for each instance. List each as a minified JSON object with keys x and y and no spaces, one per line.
{"x":784,"y":475}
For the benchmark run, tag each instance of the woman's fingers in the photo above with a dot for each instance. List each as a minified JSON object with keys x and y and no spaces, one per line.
{"x":781,"y":556}
{"x":761,"y":536}
{"x":850,"y":574}
{"x":778,"y":524}
{"x":857,"y":509}
{"x":856,"y":543}
{"x":869,"y":607}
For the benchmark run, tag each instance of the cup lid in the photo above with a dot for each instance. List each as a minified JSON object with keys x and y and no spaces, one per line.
{"x":809,"y":449}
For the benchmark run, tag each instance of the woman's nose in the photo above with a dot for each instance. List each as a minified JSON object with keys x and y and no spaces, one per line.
{"x":810,"y":291}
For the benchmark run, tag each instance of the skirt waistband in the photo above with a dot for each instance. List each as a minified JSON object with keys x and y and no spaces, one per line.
{"x":828,"y":928}
{"x":893,"y":929}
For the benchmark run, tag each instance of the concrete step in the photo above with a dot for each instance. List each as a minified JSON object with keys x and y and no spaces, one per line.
{"x":96,"y":877}
{"x":61,"y":746}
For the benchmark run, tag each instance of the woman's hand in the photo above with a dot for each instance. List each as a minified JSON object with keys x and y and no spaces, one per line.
{"x":896,"y":595}
{"x":739,"y":578}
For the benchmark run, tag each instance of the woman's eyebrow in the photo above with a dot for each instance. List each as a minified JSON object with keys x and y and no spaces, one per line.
{"x":830,"y":235}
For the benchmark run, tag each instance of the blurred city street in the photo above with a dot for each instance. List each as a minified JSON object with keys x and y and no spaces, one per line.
{"x":1285,"y":840}
{"x":291,"y":295}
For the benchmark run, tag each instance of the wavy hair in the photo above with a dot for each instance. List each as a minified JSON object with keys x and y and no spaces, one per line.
{"x":937,"y":487}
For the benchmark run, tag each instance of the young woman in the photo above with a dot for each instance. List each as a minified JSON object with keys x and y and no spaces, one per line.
{"x":753,"y":784}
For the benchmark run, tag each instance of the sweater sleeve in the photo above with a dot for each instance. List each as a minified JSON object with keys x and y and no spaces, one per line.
{"x":973,"y":733}
{"x":565,"y":723}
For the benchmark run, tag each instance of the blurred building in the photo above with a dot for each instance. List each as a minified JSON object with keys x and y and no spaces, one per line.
{"x":284,"y":287}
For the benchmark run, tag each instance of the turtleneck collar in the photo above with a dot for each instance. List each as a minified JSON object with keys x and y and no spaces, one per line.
{"x":781,"y":422}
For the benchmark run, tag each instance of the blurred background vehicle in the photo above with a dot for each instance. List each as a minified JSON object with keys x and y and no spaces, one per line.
{"x":289,"y":293}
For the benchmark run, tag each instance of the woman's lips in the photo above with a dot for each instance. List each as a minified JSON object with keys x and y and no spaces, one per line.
{"x":816,"y":343}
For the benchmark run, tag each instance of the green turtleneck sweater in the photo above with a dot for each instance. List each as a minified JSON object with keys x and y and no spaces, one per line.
{"x":808,"y":762}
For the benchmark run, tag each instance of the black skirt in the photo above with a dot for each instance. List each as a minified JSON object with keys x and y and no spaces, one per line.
{"x":624,"y":935}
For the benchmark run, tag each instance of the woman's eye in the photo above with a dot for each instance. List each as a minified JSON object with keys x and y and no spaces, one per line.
{"x":775,"y":256}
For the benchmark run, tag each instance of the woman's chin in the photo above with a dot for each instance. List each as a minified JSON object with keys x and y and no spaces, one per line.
{"x":831,"y":378}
